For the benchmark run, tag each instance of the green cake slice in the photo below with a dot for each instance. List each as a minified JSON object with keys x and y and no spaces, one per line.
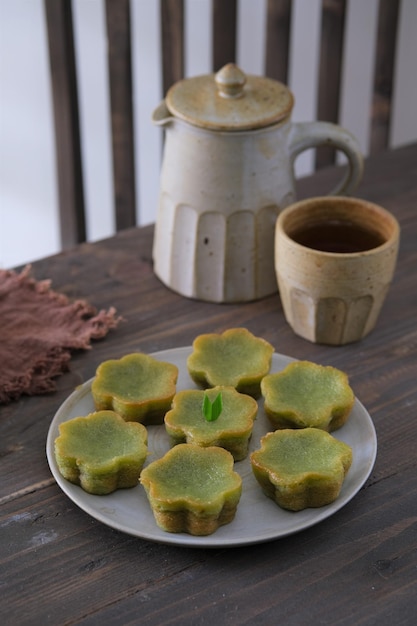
{"x":138,"y":387}
{"x":301,"y":468}
{"x":192,"y":489}
{"x":235,"y":358}
{"x":185,"y":422}
{"x":306,"y":395}
{"x":101,"y":452}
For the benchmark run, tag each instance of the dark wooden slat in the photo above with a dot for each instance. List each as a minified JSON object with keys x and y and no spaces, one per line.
{"x":58,"y":15}
{"x":172,"y":37}
{"x":120,"y":76}
{"x":331,"y":54}
{"x":224,"y":32}
{"x":278,"y":39}
{"x":384,"y":73}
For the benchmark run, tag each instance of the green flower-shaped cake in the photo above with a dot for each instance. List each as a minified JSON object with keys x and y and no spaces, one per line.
{"x":185,"y":422}
{"x":138,"y":387}
{"x":306,"y":395}
{"x":234,"y":358}
{"x":101,"y":452}
{"x":192,"y":489}
{"x":301,"y":468}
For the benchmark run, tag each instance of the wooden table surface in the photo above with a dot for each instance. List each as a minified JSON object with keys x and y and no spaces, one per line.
{"x":358,"y":566}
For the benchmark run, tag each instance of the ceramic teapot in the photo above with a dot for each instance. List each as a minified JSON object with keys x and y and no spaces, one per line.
{"x":227,"y":171}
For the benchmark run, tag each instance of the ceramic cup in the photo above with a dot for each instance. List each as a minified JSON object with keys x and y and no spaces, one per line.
{"x":334,"y":259}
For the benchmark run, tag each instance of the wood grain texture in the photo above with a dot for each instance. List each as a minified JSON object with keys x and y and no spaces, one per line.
{"x":278,"y":29}
{"x":59,"y":25}
{"x":59,"y":566}
{"x":172,"y":38}
{"x":121,"y":104}
{"x":224,"y":32}
{"x":384,"y":74}
{"x":331,"y":58}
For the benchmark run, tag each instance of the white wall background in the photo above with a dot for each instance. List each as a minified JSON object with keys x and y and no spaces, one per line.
{"x":28,"y":191}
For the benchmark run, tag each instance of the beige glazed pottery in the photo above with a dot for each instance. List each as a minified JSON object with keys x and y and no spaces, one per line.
{"x":333,"y":295}
{"x":227,"y":172}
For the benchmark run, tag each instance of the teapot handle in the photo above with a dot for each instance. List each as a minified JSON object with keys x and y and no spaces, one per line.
{"x":304,"y":135}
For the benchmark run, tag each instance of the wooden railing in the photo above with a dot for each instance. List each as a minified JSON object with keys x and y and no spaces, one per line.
{"x":278,"y":20}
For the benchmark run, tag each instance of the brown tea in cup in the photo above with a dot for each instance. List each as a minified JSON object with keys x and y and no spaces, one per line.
{"x":334,"y":258}
{"x":340,"y":236}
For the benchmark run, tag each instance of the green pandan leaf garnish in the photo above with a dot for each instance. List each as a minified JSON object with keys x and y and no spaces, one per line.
{"x":212,"y":410}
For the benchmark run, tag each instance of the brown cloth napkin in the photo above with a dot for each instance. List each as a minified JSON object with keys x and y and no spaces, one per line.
{"x":38,"y":330}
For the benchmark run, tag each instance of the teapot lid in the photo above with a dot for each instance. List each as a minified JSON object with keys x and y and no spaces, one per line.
{"x":230,"y":100}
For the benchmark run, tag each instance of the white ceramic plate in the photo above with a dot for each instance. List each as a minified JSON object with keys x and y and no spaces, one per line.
{"x":258,"y":518}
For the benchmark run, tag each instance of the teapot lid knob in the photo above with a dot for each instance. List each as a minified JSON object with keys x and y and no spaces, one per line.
{"x":230,"y":81}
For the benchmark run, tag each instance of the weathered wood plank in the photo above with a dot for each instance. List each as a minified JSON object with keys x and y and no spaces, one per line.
{"x":278,"y":29}
{"x":224,"y":32}
{"x":121,"y":103}
{"x":172,"y":39}
{"x":59,"y":24}
{"x":384,"y":74}
{"x":331,"y":56}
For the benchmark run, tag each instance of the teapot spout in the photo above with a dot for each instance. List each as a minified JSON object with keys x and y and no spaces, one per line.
{"x":161,"y":115}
